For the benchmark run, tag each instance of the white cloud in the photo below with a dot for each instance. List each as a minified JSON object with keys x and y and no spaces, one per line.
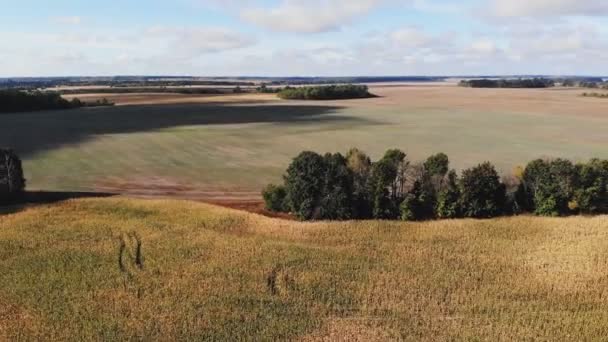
{"x":544,"y":8}
{"x":310,"y":16}
{"x":198,"y":41}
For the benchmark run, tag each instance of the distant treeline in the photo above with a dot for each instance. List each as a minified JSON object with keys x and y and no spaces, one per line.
{"x":37,"y":83}
{"x":124,"y":90}
{"x":330,"y":92}
{"x":508,"y":83}
{"x":337,"y":187}
{"x":335,"y":80}
{"x":27,"y":101}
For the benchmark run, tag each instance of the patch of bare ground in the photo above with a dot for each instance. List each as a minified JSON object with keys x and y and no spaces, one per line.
{"x":157,"y":187}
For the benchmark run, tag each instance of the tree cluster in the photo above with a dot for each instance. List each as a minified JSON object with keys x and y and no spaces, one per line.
{"x":330,"y":92}
{"x":22,"y":101}
{"x":337,"y":187}
{"x":12,"y":182}
{"x":25,"y":101}
{"x":509,"y":83}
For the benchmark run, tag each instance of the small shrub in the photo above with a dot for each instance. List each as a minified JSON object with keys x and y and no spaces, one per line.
{"x":275,"y":198}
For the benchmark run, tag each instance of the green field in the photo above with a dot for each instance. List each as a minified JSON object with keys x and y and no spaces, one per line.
{"x":71,"y":271}
{"x":235,"y":146}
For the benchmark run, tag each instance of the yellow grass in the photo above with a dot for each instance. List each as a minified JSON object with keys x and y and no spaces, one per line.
{"x":207,"y":273}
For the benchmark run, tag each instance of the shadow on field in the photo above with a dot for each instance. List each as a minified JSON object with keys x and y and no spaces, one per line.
{"x":33,"y":198}
{"x":28,"y":133}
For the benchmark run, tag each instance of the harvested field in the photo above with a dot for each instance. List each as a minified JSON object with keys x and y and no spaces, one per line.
{"x":128,"y":269}
{"x":235,"y":144}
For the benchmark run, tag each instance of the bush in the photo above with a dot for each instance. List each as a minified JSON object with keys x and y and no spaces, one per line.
{"x":12,"y":182}
{"x":275,"y":198}
{"x":482,"y":193}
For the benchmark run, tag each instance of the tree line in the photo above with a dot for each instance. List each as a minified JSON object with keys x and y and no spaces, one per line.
{"x":338,"y":187}
{"x":509,"y":83}
{"x":27,"y":101}
{"x":330,"y":92}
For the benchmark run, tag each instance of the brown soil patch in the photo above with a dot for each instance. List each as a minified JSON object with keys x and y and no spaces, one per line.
{"x":157,"y":187}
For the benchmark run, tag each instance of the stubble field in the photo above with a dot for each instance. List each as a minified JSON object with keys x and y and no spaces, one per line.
{"x":123,"y":269}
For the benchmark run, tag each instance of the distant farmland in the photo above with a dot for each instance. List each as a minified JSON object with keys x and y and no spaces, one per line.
{"x":218,"y":146}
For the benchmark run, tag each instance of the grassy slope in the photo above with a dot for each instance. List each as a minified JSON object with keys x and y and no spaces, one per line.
{"x":211,"y":273}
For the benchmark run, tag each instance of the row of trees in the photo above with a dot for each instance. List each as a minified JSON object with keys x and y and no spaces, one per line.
{"x":25,"y":101}
{"x":337,"y":187}
{"x":12,"y":182}
{"x":330,"y":92}
{"x":509,"y":83}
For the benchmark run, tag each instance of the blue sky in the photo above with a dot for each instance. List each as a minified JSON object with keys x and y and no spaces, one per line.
{"x":303,"y":37}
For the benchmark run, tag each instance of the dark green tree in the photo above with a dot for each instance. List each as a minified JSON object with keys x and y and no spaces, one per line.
{"x":549,"y":186}
{"x":482,"y":193}
{"x":387,"y":184}
{"x":591,"y":195}
{"x":12,"y":182}
{"x":448,"y":199}
{"x":337,"y":193}
{"x":418,"y":203}
{"x":304,"y":184}
{"x":437,"y":165}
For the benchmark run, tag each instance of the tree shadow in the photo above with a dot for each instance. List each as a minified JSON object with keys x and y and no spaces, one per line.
{"x":30,"y":133}
{"x":35,"y":198}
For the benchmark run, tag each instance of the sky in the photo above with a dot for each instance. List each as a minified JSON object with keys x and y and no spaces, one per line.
{"x":303,"y":37}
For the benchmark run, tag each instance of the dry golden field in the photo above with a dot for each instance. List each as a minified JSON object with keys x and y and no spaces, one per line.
{"x":123,"y":269}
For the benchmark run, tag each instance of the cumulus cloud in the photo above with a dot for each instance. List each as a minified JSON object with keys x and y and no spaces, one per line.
{"x":197,"y":41}
{"x":515,"y":8}
{"x":310,"y":16}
